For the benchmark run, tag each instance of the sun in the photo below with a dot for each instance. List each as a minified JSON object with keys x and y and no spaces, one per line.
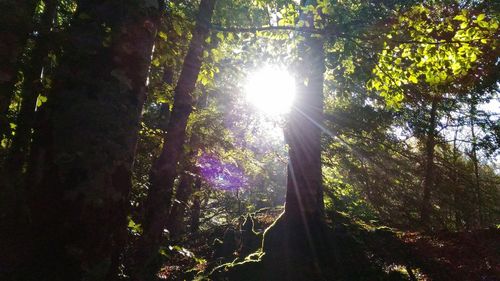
{"x":271,"y":90}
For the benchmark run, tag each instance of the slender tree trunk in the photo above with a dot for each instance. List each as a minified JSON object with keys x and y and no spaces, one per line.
{"x":261,"y":190}
{"x":196,"y":207}
{"x":164,"y":169}
{"x":175,"y":222}
{"x":456,"y":193}
{"x":168,"y":66}
{"x":475,"y":162}
{"x":16,"y":24}
{"x":168,"y":78}
{"x":428,"y":181}
{"x":80,"y":171}
{"x":32,"y":86}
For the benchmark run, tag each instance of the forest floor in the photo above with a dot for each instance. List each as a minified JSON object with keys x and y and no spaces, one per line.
{"x":457,"y":255}
{"x":403,"y":255}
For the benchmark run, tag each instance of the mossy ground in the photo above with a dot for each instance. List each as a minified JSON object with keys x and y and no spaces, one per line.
{"x":344,"y":248}
{"x":323,"y":251}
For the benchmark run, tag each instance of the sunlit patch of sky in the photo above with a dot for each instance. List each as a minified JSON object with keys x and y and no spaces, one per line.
{"x":493,"y":106}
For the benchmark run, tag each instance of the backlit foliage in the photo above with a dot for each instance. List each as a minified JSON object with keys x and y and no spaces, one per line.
{"x":430,"y":48}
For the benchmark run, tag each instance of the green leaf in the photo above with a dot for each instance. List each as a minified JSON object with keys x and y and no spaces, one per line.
{"x":483,"y":24}
{"x":40,"y":100}
{"x":460,"y":18}
{"x":162,"y":35}
{"x":220,"y":35}
{"x":134,"y":227}
{"x":162,"y":251}
{"x":155,"y":62}
{"x":473,"y":57}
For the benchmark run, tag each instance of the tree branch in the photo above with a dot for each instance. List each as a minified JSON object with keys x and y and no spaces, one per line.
{"x":268,"y":28}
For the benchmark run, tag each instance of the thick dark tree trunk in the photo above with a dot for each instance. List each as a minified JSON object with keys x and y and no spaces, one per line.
{"x":304,"y":194}
{"x":80,"y":169}
{"x":297,"y":240}
{"x":164,"y":169}
{"x":428,"y":181}
{"x":16,"y":24}
{"x":32,"y":86}
{"x":13,"y":208}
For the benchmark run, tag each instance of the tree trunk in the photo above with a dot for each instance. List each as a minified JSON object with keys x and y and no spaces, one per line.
{"x":32,"y":86}
{"x":194,"y":225}
{"x":80,"y":171}
{"x":475,"y":162}
{"x":164,"y":116}
{"x":14,"y":210}
{"x":428,"y":181}
{"x":175,"y":222}
{"x":304,"y":194}
{"x":168,"y":66}
{"x":164,"y":169}
{"x":456,"y":193}
{"x":297,"y":239}
{"x":16,"y":24}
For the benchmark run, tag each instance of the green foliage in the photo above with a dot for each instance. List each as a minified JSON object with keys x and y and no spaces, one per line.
{"x":342,"y":196}
{"x":133,"y":227}
{"x":431,"y":48}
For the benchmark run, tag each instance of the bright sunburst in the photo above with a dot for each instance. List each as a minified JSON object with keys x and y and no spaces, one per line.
{"x":271,"y":90}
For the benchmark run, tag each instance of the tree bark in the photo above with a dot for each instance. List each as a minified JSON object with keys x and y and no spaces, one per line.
{"x":13,"y":213}
{"x":168,"y":66}
{"x":456,"y":193}
{"x":80,"y":171}
{"x":175,"y":222}
{"x":164,"y":169}
{"x":297,"y":239}
{"x":428,"y":181}
{"x":164,"y":116}
{"x":194,"y":225}
{"x":16,"y":24}
{"x":304,"y":194}
{"x":475,"y":162}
